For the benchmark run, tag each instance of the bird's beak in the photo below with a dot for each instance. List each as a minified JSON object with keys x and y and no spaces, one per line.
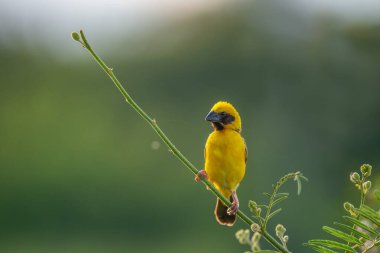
{"x":213,"y":117}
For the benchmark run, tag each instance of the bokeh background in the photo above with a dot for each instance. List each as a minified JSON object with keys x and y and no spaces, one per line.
{"x":81,"y":172}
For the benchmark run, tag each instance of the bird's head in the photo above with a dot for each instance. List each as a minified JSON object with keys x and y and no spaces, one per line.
{"x":224,"y":116}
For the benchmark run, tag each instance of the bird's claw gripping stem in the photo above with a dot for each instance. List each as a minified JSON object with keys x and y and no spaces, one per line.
{"x":202,"y":174}
{"x":235,"y":204}
{"x":233,"y":208}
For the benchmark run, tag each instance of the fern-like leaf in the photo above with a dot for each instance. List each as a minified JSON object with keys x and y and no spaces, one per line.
{"x":265,"y":251}
{"x":274,"y":213}
{"x":342,"y":235}
{"x":320,"y":248}
{"x":331,"y":244}
{"x":369,"y":214}
{"x":361,"y":225}
{"x":280,"y":194}
{"x":353,"y":230}
{"x":267,"y":194}
{"x":278,"y":200}
{"x":370,"y":211}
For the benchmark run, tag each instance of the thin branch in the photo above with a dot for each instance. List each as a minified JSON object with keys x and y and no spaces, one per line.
{"x":276,"y":188}
{"x":166,"y":140}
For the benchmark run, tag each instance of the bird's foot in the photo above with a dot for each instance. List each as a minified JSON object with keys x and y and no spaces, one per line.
{"x":201,"y":175}
{"x":232,"y":210}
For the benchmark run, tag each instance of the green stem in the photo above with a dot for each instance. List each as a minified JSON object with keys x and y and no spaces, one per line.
{"x":362,"y":201}
{"x":362,"y":194}
{"x":172,"y":148}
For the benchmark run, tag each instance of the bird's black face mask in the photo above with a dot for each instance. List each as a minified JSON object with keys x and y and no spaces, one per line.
{"x":219,"y":119}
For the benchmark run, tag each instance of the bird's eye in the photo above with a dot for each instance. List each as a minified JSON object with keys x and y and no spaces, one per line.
{"x":223,"y":113}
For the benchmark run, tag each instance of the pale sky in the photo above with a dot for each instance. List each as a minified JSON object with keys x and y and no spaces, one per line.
{"x":41,"y":18}
{"x":24,"y":14}
{"x":123,"y":13}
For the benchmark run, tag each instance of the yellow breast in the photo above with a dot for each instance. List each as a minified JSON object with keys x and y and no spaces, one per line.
{"x":225,"y":160}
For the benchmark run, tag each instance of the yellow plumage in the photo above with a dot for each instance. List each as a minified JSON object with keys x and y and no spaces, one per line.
{"x":225,"y":158}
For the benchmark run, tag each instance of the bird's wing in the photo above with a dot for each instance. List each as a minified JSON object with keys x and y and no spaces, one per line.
{"x":246,"y":151}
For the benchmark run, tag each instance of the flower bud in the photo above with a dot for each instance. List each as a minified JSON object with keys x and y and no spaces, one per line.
{"x":366,"y":170}
{"x":75,"y":36}
{"x":355,"y":177}
{"x":255,"y":227}
{"x":366,"y":186}
{"x":256,"y":237}
{"x":252,"y":204}
{"x":243,"y":236}
{"x":239,"y":233}
{"x":253,"y":208}
{"x":350,"y":208}
{"x":286,"y":238}
{"x":280,"y":230}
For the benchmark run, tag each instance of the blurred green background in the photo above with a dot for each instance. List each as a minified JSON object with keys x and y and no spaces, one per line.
{"x":80,"y":170}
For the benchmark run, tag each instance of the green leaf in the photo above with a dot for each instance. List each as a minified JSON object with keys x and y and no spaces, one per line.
{"x":267,"y":194}
{"x":361,"y":224}
{"x":353,"y":230}
{"x":262,"y":206}
{"x":342,"y":235}
{"x":303,"y":177}
{"x":370,"y":211}
{"x":280,"y":194}
{"x":368,"y":216}
{"x":265,"y":251}
{"x":274,"y":213}
{"x":299,"y":178}
{"x":299,"y":185}
{"x":319,"y":248}
{"x":279,"y":200}
{"x":332,"y":244}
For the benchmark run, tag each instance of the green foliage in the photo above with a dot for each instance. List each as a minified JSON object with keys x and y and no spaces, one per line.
{"x":263,"y":218}
{"x":274,"y":199}
{"x":360,"y":234}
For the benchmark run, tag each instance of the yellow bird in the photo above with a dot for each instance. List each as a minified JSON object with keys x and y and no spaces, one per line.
{"x":225,"y":159}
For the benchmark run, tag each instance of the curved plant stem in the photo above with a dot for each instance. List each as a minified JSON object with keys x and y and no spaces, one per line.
{"x":152,"y":122}
{"x":362,"y":194}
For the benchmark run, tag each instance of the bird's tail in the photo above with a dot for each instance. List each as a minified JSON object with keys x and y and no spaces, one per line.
{"x":221,"y":215}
